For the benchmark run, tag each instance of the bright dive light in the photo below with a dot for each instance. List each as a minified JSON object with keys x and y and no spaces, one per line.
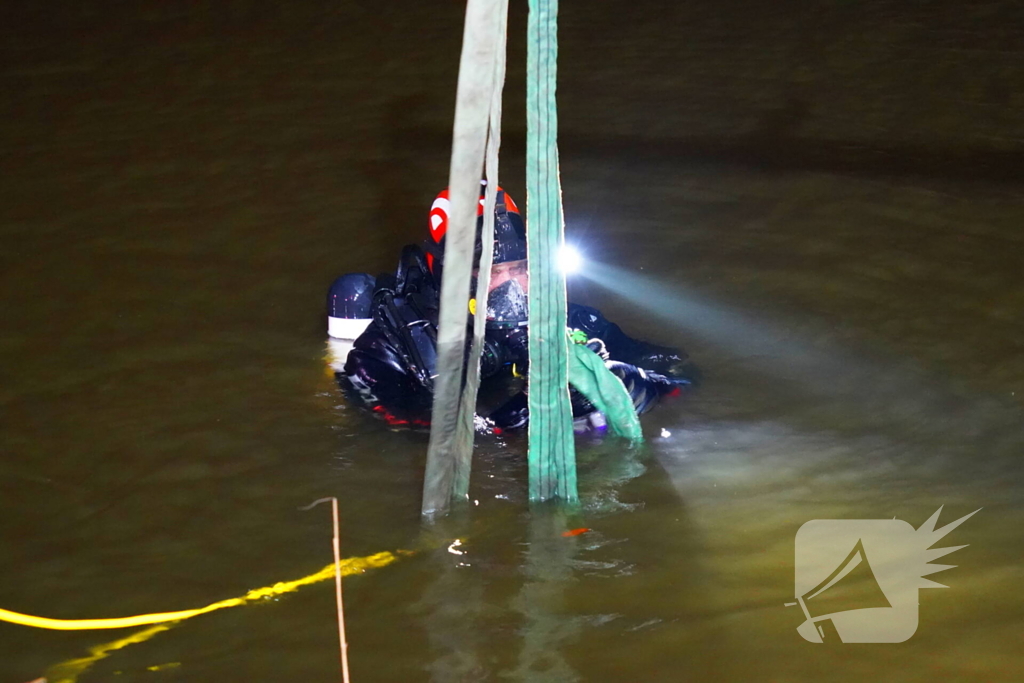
{"x":569,"y":260}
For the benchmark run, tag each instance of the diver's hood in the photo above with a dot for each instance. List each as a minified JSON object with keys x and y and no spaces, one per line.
{"x":509,"y":233}
{"x":507,"y":305}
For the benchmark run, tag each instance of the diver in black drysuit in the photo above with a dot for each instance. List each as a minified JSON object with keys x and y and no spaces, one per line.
{"x":392,"y":364}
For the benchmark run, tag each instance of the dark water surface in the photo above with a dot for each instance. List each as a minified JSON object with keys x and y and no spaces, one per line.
{"x":179,"y":186}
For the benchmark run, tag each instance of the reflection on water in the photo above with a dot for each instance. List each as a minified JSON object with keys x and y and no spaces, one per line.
{"x":548,"y":626}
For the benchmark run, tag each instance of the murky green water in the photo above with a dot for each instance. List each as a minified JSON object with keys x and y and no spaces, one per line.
{"x":179,"y":187}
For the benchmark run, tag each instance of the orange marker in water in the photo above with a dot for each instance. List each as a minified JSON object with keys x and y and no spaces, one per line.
{"x":575,"y":532}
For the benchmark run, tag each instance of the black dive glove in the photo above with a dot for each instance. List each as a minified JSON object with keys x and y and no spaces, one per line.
{"x":668,"y":361}
{"x":644,"y":387}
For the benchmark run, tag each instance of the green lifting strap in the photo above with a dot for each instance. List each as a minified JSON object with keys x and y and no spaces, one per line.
{"x":588,"y":374}
{"x":552,"y":455}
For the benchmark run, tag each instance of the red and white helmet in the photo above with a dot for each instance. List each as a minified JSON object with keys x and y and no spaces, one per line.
{"x":509,"y":230}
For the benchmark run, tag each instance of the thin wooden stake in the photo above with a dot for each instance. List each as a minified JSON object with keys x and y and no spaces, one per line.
{"x":337,"y":584}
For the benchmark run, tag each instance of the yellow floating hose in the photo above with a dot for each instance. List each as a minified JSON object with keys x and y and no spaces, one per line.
{"x":69,"y":671}
{"x":352,"y":565}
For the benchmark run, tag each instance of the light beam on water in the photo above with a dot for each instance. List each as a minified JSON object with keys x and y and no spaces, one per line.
{"x":739,"y":333}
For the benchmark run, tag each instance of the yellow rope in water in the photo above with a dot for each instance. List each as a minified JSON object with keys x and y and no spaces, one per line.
{"x":69,"y":671}
{"x":352,"y":565}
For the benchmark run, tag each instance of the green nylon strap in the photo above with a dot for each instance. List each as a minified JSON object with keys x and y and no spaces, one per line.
{"x":587,"y":372}
{"x":552,"y":455}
